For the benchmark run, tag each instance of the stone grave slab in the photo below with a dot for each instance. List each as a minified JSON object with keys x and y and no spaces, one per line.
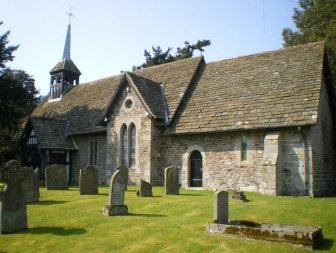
{"x":88,"y":181}
{"x":239,"y":196}
{"x":56,"y":177}
{"x":221,"y":207}
{"x":31,"y":185}
{"x":124,"y":172}
{"x":171,"y":181}
{"x":13,"y":210}
{"x":115,"y":204}
{"x":145,"y":189}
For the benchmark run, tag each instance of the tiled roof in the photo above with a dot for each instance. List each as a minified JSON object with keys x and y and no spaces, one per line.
{"x":83,"y":105}
{"x":151,"y":93}
{"x":175,"y":78}
{"x":268,"y":90}
{"x":65,"y":64}
{"x":51,"y":133}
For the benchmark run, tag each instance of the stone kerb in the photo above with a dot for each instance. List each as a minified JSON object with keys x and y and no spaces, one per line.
{"x":145,"y":189}
{"x":13,"y":210}
{"x":124,"y":173}
{"x":115,"y":205}
{"x":221,"y":207}
{"x":31,"y":185}
{"x":88,"y":181}
{"x":171,"y":182}
{"x":56,"y":177}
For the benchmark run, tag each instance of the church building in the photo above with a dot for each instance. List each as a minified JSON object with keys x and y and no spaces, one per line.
{"x":261,"y":123}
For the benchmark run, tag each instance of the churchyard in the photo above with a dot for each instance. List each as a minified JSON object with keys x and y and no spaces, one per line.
{"x":65,"y":221}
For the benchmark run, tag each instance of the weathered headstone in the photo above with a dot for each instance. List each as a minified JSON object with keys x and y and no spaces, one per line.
{"x":239,"y":196}
{"x":56,"y":177}
{"x":124,"y":172}
{"x":171,"y":181}
{"x":13,"y":210}
{"x":145,"y":189}
{"x":115,"y":204}
{"x":88,"y":181}
{"x":221,"y":207}
{"x":31,"y":185}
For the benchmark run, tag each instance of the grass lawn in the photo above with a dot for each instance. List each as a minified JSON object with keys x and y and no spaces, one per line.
{"x":64,"y":221}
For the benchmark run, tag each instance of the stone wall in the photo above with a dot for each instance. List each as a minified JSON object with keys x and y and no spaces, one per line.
{"x":323,"y":141}
{"x":221,"y":155}
{"x":80,"y":158}
{"x":128,"y":110}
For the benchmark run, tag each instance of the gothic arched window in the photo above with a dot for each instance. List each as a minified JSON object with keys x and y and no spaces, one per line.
{"x":132,"y":141}
{"x":124,"y":146}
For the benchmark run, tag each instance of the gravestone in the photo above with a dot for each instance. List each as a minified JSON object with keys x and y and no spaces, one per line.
{"x":31,"y":185}
{"x":56,"y":177}
{"x":115,"y":204}
{"x":88,"y":181}
{"x":13,"y":210}
{"x":171,"y":181}
{"x":221,"y":207}
{"x":239,"y":196}
{"x":124,"y":173}
{"x":145,"y":189}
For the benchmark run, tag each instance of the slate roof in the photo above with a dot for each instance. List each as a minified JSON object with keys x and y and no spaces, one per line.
{"x":273,"y":89}
{"x":51,"y":133}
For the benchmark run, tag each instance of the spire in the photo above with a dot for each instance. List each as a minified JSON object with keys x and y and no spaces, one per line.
{"x":66,"y":51}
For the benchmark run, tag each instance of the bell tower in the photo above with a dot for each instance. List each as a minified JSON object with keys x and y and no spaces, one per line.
{"x":65,"y":74}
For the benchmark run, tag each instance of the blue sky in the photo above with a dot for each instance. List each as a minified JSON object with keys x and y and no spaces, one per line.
{"x":108,"y":36}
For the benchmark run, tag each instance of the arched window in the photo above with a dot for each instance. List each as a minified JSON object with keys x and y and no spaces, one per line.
{"x":196,"y":169}
{"x":132,"y":141}
{"x":124,"y":146}
{"x":244,"y":148}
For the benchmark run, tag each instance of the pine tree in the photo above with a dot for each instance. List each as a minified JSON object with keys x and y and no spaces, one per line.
{"x":315,"y":20}
{"x":18,"y":98}
{"x":160,"y":57}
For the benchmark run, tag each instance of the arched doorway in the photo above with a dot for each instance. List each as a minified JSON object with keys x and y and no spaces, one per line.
{"x":196,"y":169}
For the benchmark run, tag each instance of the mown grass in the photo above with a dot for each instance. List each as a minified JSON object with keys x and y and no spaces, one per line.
{"x":64,"y":221}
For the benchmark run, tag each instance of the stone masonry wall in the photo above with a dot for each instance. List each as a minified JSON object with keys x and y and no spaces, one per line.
{"x":80,"y":158}
{"x":222,"y":165}
{"x":127,"y":110}
{"x":324,"y":160}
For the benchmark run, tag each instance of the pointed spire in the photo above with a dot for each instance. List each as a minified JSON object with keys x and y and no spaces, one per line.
{"x":66,"y":51}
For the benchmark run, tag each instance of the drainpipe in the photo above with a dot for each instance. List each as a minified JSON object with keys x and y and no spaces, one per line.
{"x":305,"y":159}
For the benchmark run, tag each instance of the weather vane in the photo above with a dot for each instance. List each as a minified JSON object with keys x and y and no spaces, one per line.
{"x":69,"y":13}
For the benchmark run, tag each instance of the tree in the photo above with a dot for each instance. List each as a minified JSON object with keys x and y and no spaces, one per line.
{"x":18,"y":98}
{"x":315,"y":20}
{"x":160,"y":57}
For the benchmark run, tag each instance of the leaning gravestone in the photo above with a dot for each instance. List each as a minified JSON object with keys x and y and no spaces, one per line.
{"x":145,"y":189}
{"x":88,"y":181}
{"x":56,"y":177}
{"x":115,"y":204}
{"x":31,"y":185}
{"x":124,"y":173}
{"x":13,"y":210}
{"x":171,"y":181}
{"x":221,"y":207}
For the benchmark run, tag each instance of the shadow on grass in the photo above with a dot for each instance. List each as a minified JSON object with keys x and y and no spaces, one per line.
{"x":187,"y":194}
{"x":55,"y":231}
{"x":325,"y":245}
{"x":145,"y":215}
{"x":47,"y":202}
